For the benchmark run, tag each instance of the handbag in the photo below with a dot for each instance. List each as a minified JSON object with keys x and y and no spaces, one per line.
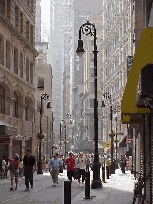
{"x":9,"y":166}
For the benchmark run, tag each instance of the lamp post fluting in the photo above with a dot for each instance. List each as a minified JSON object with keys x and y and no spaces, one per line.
{"x":89,"y":29}
{"x":41,"y":135}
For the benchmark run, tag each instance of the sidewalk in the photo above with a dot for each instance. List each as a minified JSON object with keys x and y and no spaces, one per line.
{"x":117,"y":190}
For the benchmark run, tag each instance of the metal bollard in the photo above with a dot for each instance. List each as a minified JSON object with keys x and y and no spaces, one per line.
{"x":87,"y":186}
{"x":103,"y":174}
{"x":107,"y":171}
{"x":67,"y":192}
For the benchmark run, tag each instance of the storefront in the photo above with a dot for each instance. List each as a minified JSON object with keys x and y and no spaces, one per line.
{"x":6,"y":131}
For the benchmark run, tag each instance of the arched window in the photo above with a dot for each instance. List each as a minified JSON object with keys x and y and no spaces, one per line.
{"x":2,"y":99}
{"x":8,"y":54}
{"x":15,"y":61}
{"x":26,"y":109}
{"x":27,"y":70}
{"x":1,"y":49}
{"x":21,"y":64}
{"x":15,"y":105}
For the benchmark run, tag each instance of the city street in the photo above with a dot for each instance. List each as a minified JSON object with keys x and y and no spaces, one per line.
{"x":43,"y":191}
{"x":118,"y":189}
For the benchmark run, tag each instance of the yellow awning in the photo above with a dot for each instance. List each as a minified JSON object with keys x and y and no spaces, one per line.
{"x":143,"y":56}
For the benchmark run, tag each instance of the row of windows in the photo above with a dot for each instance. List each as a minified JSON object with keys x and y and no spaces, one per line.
{"x":15,"y":104}
{"x":5,"y":9}
{"x":18,"y":62}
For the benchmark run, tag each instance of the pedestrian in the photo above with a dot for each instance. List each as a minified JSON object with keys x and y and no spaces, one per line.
{"x":3,"y":166}
{"x":101,"y":160}
{"x":21,"y":168}
{"x":14,"y":170}
{"x":70,"y":162}
{"x":82,"y":167}
{"x":55,"y":164}
{"x":6,"y":170}
{"x":29,"y":166}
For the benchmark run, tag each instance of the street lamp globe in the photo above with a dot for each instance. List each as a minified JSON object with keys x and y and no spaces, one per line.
{"x":80,"y":49}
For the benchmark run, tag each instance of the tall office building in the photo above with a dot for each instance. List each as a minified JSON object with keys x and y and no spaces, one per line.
{"x":60,"y":49}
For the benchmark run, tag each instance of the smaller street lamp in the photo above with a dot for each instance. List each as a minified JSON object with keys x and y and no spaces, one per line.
{"x":41,"y":135}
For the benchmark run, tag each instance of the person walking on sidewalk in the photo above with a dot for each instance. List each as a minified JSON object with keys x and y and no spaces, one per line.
{"x":82,"y":167}
{"x":6,"y":170}
{"x":29,"y":166}
{"x":14,"y":170}
{"x":70,"y":162}
{"x":55,"y":163}
{"x":21,"y":168}
{"x":123,"y":163}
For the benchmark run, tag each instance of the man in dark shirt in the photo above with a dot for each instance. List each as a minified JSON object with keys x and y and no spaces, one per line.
{"x":29,"y":166}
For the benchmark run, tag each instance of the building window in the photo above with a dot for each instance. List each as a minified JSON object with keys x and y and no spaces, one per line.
{"x":1,"y":49}
{"x":9,"y":9}
{"x":91,"y":57}
{"x":31,"y":35}
{"x":2,"y":99}
{"x":16,"y":17}
{"x":40,"y":83}
{"x":40,"y":61}
{"x":28,"y":3}
{"x":21,"y":22}
{"x":32,"y":3}
{"x":15,"y":61}
{"x":31,"y":73}
{"x":2,"y":7}
{"x":21,"y":65}
{"x":27,"y":30}
{"x":15,"y":105}
{"x":40,"y":48}
{"x":92,"y":71}
{"x":8,"y":54}
{"x":27,"y":70}
{"x":26,"y":109}
{"x":92,"y":86}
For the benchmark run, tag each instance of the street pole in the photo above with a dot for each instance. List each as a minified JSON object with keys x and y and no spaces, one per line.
{"x":60,"y":135}
{"x":65,"y":140}
{"x":87,"y":29}
{"x":52,"y":133}
{"x":111,"y":116}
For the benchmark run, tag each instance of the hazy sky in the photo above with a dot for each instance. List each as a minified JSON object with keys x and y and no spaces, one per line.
{"x":45,"y":18}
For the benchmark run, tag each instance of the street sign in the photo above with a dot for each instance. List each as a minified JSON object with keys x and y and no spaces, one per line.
{"x":108,"y":144}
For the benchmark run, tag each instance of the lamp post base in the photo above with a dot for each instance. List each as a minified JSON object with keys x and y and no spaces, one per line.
{"x":96,"y":184}
{"x":113,"y":168}
{"x":39,"y":168}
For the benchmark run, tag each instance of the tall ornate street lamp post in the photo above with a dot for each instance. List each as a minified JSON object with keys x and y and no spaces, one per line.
{"x":41,"y":135}
{"x":89,"y":29}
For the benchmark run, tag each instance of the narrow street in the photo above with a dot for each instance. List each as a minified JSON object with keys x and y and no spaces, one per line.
{"x":117,"y":190}
{"x":43,"y":192}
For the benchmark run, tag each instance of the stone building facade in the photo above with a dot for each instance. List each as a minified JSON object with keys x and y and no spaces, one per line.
{"x":118,"y":19}
{"x":17,"y":62}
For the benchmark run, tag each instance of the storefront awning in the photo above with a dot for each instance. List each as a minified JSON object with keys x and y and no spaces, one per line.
{"x":7,"y":129}
{"x":123,"y":142}
{"x":143,"y":55}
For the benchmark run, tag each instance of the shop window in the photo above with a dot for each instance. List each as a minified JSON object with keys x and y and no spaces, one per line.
{"x":2,"y":99}
{"x":21,"y":65}
{"x":16,"y":17}
{"x":8,"y":54}
{"x":21,"y":22}
{"x":26,"y":109}
{"x":1,"y":49}
{"x":15,"y":61}
{"x":27,"y":70}
{"x":15,"y":105}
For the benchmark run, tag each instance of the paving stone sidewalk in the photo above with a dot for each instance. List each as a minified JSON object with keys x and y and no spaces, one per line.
{"x":117,"y":190}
